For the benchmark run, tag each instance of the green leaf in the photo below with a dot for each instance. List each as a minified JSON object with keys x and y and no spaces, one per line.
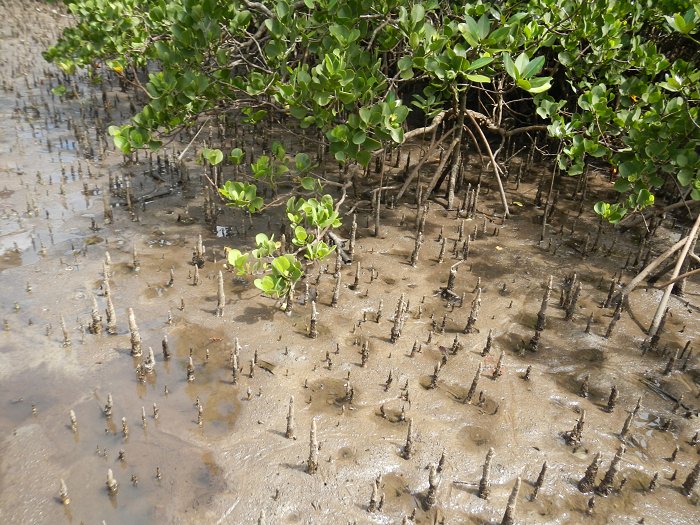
{"x":136,"y":138}
{"x":302,"y":162}
{"x":576,"y":168}
{"x":308,"y":183}
{"x":281,"y":264}
{"x":622,"y":185}
{"x":521,"y":64}
{"x":612,"y":213}
{"x":477,"y":78}
{"x":278,"y":150}
{"x":499,"y":34}
{"x":122,"y":144}
{"x":405,"y":63}
{"x":523,"y":84}
{"x":275,"y":27}
{"x":282,"y":9}
{"x":371,"y":144}
{"x":509,"y":66}
{"x":365,"y":114}
{"x":359,"y":138}
{"x":417,"y":14}
{"x":539,"y":84}
{"x":594,"y":149}
{"x":406,"y":74}
{"x":566,"y":58}
{"x":397,"y":135}
{"x":236,"y":155}
{"x":472,"y":29}
{"x":255,"y":204}
{"x":339,"y":133}
{"x":212,"y":156}
{"x":644,"y":198}
{"x":363,"y":157}
{"x":479,"y":63}
{"x":340,"y":33}
{"x":301,"y":236}
{"x":275,"y":49}
{"x":601,"y":208}
{"x":630,"y":169}
{"x":266,"y":284}
{"x":483,"y":27}
{"x":533,"y":67}
{"x":685,"y":177}
{"x":233,"y":256}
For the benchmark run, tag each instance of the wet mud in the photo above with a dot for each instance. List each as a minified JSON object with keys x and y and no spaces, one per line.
{"x":201,"y":449}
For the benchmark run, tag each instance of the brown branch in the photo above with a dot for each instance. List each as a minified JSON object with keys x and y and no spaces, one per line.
{"x":679,"y":204}
{"x":441,"y":166}
{"x":491,"y":126}
{"x":420,"y":163}
{"x":476,"y":143}
{"x":526,"y":129}
{"x":651,"y":267}
{"x":631,"y":220}
{"x":667,"y":292}
{"x":496,"y":170}
{"x":182,"y":154}
{"x":437,"y":120}
{"x":679,"y":278}
{"x":259,"y":7}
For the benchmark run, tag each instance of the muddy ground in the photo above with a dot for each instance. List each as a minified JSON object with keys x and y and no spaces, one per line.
{"x":55,"y":168}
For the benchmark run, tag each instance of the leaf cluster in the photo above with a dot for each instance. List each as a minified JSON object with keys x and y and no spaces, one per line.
{"x":616,"y":81}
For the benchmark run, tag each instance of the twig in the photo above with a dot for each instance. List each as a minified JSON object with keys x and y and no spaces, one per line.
{"x":344,"y":255}
{"x":504,"y":200}
{"x":181,"y":155}
{"x":437,"y":120}
{"x":440,"y":168}
{"x":667,"y":292}
{"x":260,"y":7}
{"x":679,"y":278}
{"x":420,"y":163}
{"x":651,"y":267}
{"x":631,"y":220}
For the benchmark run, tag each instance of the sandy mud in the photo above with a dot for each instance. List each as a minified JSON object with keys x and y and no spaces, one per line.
{"x":78,"y":221}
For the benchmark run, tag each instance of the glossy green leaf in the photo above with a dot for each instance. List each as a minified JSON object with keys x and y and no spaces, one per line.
{"x":510,"y":66}
{"x":308,"y":183}
{"x":212,"y":156}
{"x":477,"y":78}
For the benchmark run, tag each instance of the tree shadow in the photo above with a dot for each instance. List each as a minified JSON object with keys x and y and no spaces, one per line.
{"x":252,"y":314}
{"x":299,"y":467}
